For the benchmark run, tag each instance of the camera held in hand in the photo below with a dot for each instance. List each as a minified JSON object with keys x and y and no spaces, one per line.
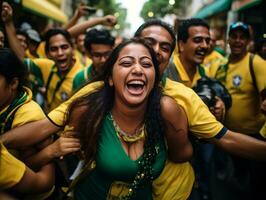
{"x":209,"y":88}
{"x":205,"y":92}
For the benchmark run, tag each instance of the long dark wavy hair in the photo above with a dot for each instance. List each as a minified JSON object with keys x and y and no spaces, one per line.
{"x":100,"y":102}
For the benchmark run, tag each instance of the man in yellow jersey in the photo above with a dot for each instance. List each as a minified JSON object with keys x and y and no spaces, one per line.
{"x":245,"y":90}
{"x":201,"y":122}
{"x":244,"y":76}
{"x":194,"y":43}
{"x":59,"y":70}
{"x":98,"y":44}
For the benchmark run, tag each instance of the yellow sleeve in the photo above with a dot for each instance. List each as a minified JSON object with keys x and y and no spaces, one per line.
{"x":58,"y":115}
{"x":44,"y":65}
{"x":201,"y":122}
{"x":260,"y":72}
{"x":29,"y":112}
{"x":12,"y":170}
{"x":263,"y":130}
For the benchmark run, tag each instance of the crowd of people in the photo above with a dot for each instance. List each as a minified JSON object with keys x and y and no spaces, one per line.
{"x":156,"y":116}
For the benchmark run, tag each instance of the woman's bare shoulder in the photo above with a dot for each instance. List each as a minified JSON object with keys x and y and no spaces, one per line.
{"x":170,"y":108}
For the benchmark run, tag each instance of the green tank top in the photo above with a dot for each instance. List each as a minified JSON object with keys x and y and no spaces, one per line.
{"x":115,"y":169}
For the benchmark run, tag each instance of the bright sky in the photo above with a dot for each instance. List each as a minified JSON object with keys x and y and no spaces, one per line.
{"x":133,"y":11}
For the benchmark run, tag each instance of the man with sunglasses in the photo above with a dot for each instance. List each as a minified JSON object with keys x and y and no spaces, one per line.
{"x":98,"y":45}
{"x":244,"y":77}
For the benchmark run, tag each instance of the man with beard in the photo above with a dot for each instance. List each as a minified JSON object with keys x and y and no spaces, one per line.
{"x":244,"y":77}
{"x":98,"y":44}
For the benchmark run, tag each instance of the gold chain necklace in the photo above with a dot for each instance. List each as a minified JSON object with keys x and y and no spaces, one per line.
{"x":129,"y":138}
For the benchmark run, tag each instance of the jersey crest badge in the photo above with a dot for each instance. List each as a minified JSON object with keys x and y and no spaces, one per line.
{"x":64,"y":96}
{"x":237,"y":80}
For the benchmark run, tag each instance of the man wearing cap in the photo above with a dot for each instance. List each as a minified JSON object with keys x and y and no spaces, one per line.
{"x":33,"y":43}
{"x":244,"y":77}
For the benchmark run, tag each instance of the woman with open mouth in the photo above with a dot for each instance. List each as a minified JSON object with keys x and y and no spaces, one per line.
{"x":122,"y":127}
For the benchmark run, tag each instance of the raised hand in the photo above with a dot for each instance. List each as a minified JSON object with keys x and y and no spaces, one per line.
{"x":84,"y":10}
{"x":109,"y":20}
{"x":7,"y":13}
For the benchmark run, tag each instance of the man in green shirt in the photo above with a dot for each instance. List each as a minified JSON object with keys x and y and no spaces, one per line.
{"x":98,"y":44}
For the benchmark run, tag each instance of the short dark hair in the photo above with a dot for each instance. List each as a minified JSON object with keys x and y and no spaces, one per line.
{"x":53,"y":32}
{"x":158,"y":22}
{"x":11,"y":67}
{"x":21,"y":32}
{"x":182,"y":33}
{"x":98,"y":36}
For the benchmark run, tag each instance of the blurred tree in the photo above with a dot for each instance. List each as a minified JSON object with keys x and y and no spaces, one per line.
{"x":160,"y":8}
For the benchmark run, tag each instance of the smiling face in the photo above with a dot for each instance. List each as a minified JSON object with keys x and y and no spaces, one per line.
{"x":133,"y":75}
{"x":238,"y":42}
{"x":161,"y":41}
{"x":61,"y":52}
{"x":196,"y":47}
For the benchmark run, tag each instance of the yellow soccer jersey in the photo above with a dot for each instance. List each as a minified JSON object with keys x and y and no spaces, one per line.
{"x":245,"y":116}
{"x":41,"y":50}
{"x":84,"y":61}
{"x":201,"y":122}
{"x":184,"y":76}
{"x":29,"y":112}
{"x":213,"y":61}
{"x":175,"y":182}
{"x":58,"y":115}
{"x":52,"y":79}
{"x":12,"y":170}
